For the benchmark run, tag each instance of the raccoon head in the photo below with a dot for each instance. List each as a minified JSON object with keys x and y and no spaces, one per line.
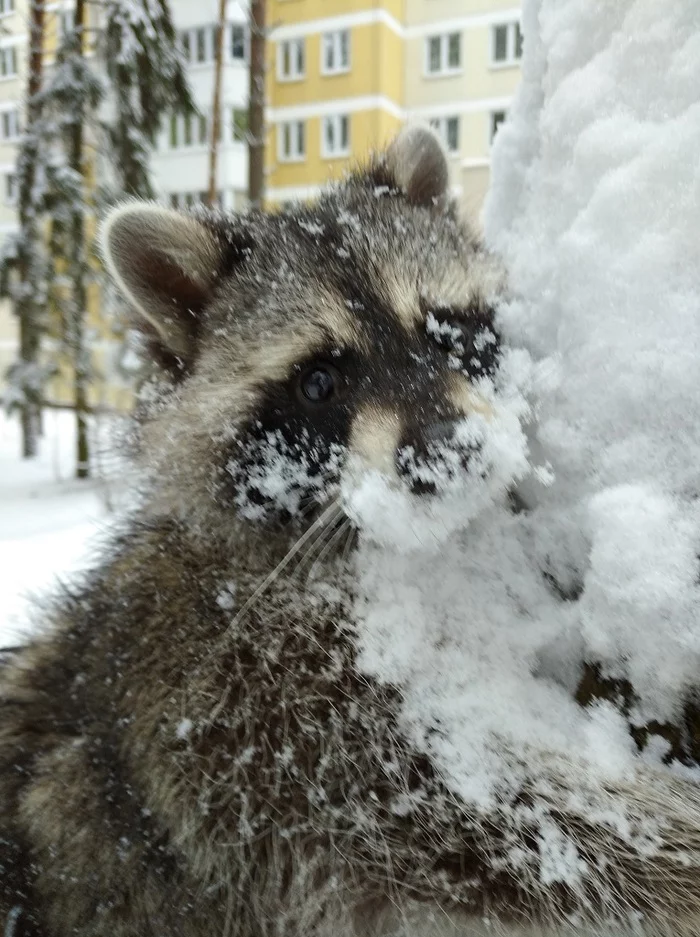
{"x":338,"y":353}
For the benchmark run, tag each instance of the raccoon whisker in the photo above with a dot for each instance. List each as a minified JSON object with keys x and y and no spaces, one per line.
{"x":348,"y":541}
{"x":317,"y":544}
{"x":320,"y":521}
{"x":332,"y":541}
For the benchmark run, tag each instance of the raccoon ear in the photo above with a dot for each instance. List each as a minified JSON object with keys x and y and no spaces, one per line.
{"x":166,"y":264}
{"x":417,"y":162}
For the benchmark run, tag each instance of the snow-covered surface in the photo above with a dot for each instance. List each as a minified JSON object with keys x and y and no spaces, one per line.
{"x":594,"y":208}
{"x":48,"y":519}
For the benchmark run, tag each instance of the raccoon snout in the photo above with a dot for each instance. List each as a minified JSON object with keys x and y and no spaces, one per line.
{"x":422,"y":456}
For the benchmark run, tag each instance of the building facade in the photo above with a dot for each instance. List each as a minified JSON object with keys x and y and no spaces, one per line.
{"x":181,"y":161}
{"x":343,"y":76}
{"x":335,"y":88}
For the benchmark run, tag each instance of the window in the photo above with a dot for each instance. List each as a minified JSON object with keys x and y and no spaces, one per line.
{"x":506,"y":44}
{"x":237,"y":46}
{"x":9,"y":124}
{"x":186,"y":45}
{"x":497,"y":118}
{"x":291,"y":57}
{"x":7,"y":6}
{"x":335,"y":52}
{"x":443,"y":54}
{"x":448,"y":129}
{"x":200,"y":44}
{"x":203,"y":129}
{"x":239,"y":124}
{"x":10,"y":188}
{"x":335,"y":136}
{"x":189,"y":130}
{"x":291,"y":141}
{"x":187,"y":136}
{"x":8,"y":62}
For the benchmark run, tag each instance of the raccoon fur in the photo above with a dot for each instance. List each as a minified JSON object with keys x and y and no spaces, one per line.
{"x":187,"y":746}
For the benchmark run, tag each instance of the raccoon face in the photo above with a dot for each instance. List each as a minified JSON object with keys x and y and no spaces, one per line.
{"x":340,"y":353}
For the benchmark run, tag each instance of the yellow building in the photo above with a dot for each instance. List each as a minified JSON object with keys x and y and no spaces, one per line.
{"x":344,"y":74}
{"x":335,"y":88}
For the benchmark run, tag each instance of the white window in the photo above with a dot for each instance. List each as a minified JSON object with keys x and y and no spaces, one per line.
{"x":8,"y":62}
{"x":448,"y":129}
{"x":237,"y":44}
{"x":10,"y":188}
{"x":9,"y":124}
{"x":335,"y":136}
{"x":335,"y":52}
{"x":291,"y":60}
{"x":291,"y":141}
{"x":443,"y":54}
{"x":506,"y":44}
{"x":7,"y":6}
{"x":497,"y":118}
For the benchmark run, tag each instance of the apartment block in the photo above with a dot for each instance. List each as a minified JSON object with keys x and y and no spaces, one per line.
{"x":181,"y":161}
{"x":335,"y":88}
{"x":462,"y":69}
{"x":343,"y":76}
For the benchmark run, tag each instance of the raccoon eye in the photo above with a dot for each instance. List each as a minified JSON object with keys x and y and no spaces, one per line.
{"x":319,"y":383}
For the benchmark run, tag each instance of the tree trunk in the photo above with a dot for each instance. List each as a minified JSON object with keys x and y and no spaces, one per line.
{"x":77,"y":262}
{"x":256,"y":105}
{"x":26,"y":308}
{"x":216,"y":106}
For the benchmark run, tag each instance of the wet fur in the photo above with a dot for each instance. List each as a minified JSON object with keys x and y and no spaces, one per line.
{"x":170,"y":765}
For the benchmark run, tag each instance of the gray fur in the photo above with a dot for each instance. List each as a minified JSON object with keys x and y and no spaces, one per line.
{"x":184,"y":754}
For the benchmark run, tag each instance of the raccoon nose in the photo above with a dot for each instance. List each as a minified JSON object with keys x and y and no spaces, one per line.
{"x":418,"y":448}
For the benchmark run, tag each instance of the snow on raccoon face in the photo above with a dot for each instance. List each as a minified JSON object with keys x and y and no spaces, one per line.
{"x":394,"y":421}
{"x":343,"y":352}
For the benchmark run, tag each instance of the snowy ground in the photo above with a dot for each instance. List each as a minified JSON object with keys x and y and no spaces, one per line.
{"x":48,"y":519}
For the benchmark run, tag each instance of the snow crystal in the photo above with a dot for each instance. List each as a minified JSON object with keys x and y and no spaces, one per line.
{"x":183,"y":729}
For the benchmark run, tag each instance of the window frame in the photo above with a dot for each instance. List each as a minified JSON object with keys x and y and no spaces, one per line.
{"x":514,"y":44}
{"x":336,"y":120}
{"x":335,"y":37}
{"x":446,"y":70}
{"x":7,"y":7}
{"x":295,"y":74}
{"x":297,"y":154}
{"x":11,"y":51}
{"x":232,"y":27}
{"x":11,"y":116}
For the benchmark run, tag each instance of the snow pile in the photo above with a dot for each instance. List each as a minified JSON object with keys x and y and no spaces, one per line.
{"x":594,"y":207}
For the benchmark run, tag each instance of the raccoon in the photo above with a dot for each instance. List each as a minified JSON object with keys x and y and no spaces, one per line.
{"x":188,"y":746}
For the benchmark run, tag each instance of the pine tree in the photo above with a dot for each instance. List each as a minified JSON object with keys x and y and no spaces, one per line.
{"x":23,"y":261}
{"x":147,"y":78}
{"x":256,"y":104}
{"x":95,"y":112}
